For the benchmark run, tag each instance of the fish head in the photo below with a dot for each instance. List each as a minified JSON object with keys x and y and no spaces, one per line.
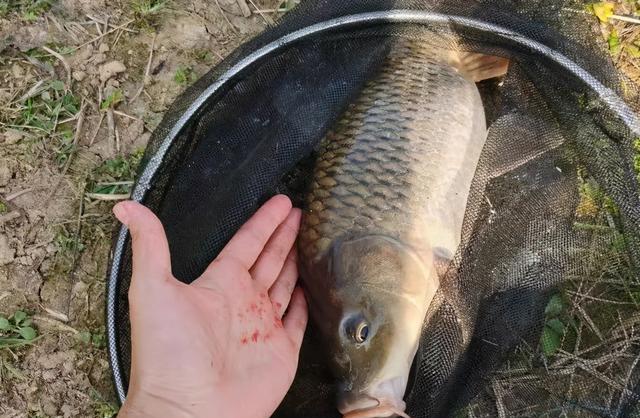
{"x":379,"y":294}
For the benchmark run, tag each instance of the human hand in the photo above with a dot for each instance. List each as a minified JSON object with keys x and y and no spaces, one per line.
{"x":219,"y":347}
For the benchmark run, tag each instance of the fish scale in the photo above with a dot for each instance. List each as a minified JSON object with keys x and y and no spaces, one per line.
{"x":390,"y":153}
{"x":385,"y":205}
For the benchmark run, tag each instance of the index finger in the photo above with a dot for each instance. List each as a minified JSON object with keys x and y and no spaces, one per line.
{"x":247,"y":244}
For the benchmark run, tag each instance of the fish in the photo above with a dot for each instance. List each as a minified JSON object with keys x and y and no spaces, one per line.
{"x":383,"y":214}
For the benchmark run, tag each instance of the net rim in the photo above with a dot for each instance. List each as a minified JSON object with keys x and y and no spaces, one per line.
{"x":143,"y":183}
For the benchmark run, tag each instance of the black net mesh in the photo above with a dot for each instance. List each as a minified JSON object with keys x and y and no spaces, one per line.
{"x":562,"y":131}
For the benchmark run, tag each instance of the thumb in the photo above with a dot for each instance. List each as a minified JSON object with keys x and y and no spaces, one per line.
{"x":151,"y":257}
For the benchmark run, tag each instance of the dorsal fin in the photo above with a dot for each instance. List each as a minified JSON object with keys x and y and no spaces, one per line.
{"x":478,"y":67}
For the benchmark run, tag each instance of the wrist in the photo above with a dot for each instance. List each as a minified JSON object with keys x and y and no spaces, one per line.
{"x":158,"y":404}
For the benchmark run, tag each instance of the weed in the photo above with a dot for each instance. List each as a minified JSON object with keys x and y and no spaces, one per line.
{"x":103,"y":408}
{"x":95,"y":338}
{"x":615,"y":45}
{"x":115,"y":176}
{"x":3,"y":208}
{"x":112,"y":100}
{"x":145,"y":8}
{"x":66,"y":243}
{"x":29,"y":10}
{"x":41,"y":114}
{"x":184,"y":75}
{"x":67,"y":248}
{"x":202,"y":55}
{"x":147,"y":12}
{"x":555,"y":325}
{"x":17,"y":330}
{"x":289,"y":4}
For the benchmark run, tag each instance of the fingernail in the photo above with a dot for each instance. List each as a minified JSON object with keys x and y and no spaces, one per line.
{"x":120,"y":210}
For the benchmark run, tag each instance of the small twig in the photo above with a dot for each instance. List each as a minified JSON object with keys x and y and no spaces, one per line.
{"x":280,"y":10}
{"x":594,"y":298}
{"x":55,"y":314}
{"x":592,"y":324}
{"x":118,"y":36}
{"x":95,"y":133}
{"x":125,"y":115}
{"x":33,"y":91}
{"x":61,"y":326}
{"x":64,"y":62}
{"x":108,"y":197}
{"x":625,"y":19}
{"x":76,"y":238}
{"x":226,"y":18}
{"x":244,"y":7}
{"x":147,"y":71}
{"x":97,"y":38}
{"x":117,"y":137}
{"x":111,"y":25}
{"x":10,"y":197}
{"x":98,"y":29}
{"x":111,"y":127}
{"x":105,"y":25}
{"x":266,"y":18}
{"x":75,"y":117}
{"x":115,"y":183}
{"x":499,"y":395}
{"x":72,"y":153}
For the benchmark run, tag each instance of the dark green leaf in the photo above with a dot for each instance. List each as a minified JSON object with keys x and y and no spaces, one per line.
{"x":555,"y":306}
{"x":556,"y":325}
{"x":550,"y":341}
{"x":85,"y":337}
{"x":57,"y":85}
{"x":70,"y":103}
{"x":18,"y":317}
{"x":98,"y":340}
{"x":27,"y":333}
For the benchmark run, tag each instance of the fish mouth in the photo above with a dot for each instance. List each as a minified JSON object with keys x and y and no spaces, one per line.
{"x":373,"y":408}
{"x":385,"y":400}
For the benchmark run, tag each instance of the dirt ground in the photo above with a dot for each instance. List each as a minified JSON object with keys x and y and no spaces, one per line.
{"x":82,"y":85}
{"x":73,"y":121}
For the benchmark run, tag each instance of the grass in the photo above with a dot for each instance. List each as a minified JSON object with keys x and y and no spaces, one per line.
{"x":28,"y":10}
{"x":41,"y":113}
{"x":68,"y":246}
{"x":112,"y":100}
{"x":146,"y":8}
{"x":148,"y":12}
{"x":101,"y":407}
{"x":202,"y":55}
{"x":115,"y":176}
{"x":95,"y":338}
{"x":184,"y":76}
{"x":16,"y":330}
{"x":287,"y":5}
{"x":588,"y":335}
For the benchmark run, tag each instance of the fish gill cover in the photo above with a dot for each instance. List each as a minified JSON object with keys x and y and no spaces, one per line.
{"x":537,"y":312}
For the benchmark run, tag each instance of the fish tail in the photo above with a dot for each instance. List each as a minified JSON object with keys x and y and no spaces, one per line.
{"x":478,"y":67}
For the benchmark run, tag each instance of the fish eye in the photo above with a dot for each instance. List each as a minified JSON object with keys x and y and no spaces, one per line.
{"x":361,"y":332}
{"x":357,"y":328}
